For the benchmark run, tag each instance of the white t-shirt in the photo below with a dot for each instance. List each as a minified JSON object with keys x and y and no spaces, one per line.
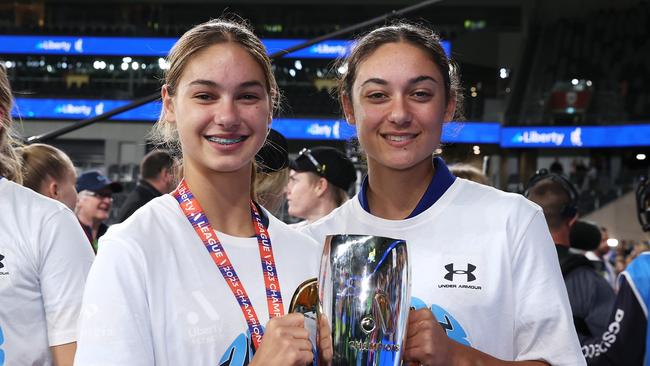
{"x":44,"y":260}
{"x":155,"y":296}
{"x":484,"y":262}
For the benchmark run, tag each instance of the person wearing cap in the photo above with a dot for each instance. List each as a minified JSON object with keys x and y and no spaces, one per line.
{"x":318,"y":183}
{"x":272,"y":172}
{"x":95,"y":203}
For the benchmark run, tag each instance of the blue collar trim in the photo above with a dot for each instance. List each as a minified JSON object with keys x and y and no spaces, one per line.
{"x":441,"y":181}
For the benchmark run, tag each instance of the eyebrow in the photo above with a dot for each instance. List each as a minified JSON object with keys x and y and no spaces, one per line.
{"x":422,"y":78}
{"x":414,"y":80}
{"x":212,"y":84}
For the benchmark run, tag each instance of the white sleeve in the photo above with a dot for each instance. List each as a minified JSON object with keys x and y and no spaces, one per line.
{"x":63,"y":264}
{"x":115,"y":325}
{"x":544,"y":327}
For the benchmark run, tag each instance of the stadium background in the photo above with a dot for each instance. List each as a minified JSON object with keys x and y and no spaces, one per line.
{"x":544,"y":81}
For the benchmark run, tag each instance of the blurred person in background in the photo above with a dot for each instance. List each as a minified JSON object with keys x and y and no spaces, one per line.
{"x":44,"y":260}
{"x":272,"y":164}
{"x":556,"y":167}
{"x":600,"y":259}
{"x":50,"y":172}
{"x":584,"y":237}
{"x":95,"y":203}
{"x":626,"y":251}
{"x":623,"y":250}
{"x":626,"y":341}
{"x":319,"y":181}
{"x":591,"y":297}
{"x":469,"y":172}
{"x":156,"y":178}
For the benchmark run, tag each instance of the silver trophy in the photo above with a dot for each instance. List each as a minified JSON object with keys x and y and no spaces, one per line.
{"x":364,"y":296}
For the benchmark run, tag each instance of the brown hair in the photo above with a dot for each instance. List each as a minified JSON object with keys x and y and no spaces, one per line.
{"x":337,"y":194}
{"x":40,"y":162}
{"x":9,"y":161}
{"x":154,"y":162}
{"x":270,"y":186}
{"x":552,"y":197}
{"x":204,"y":35}
{"x":414,"y":34}
{"x":469,"y":172}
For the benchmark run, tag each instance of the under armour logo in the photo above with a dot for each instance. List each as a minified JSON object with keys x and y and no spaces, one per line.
{"x":450,"y":268}
{"x":1,"y":258}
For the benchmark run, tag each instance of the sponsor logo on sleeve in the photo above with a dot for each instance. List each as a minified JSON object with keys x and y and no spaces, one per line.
{"x":607,"y":341}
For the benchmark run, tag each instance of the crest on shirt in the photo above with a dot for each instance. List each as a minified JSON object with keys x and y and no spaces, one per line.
{"x":239,"y":353}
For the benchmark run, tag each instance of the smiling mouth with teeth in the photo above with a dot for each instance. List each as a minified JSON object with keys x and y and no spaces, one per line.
{"x":225,"y":141}
{"x":399,"y":138}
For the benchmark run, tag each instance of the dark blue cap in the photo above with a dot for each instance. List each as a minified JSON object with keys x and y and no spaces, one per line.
{"x":95,"y":181}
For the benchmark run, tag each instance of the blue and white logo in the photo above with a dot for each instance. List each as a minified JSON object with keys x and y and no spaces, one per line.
{"x":543,"y":137}
{"x":70,"y":109}
{"x":79,"y":45}
{"x":536,"y":137}
{"x":52,"y":45}
{"x":240,"y":351}
{"x":2,"y":352}
{"x":331,"y":49}
{"x":325,"y":130}
{"x":452,"y":327}
{"x":576,"y":137}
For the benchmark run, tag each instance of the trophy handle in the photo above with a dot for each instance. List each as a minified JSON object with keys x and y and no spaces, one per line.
{"x":305,"y":298}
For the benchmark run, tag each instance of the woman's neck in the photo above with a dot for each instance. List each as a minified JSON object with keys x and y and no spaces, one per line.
{"x":393,"y":194}
{"x":224,"y":198}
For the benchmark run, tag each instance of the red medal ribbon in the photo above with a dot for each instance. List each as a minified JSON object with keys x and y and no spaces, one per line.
{"x":199,"y":221}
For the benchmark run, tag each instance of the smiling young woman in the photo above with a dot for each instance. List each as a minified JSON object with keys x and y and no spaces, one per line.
{"x":193,"y":278}
{"x":482,"y":260}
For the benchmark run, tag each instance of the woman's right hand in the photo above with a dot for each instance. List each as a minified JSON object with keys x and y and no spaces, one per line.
{"x":285,"y":342}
